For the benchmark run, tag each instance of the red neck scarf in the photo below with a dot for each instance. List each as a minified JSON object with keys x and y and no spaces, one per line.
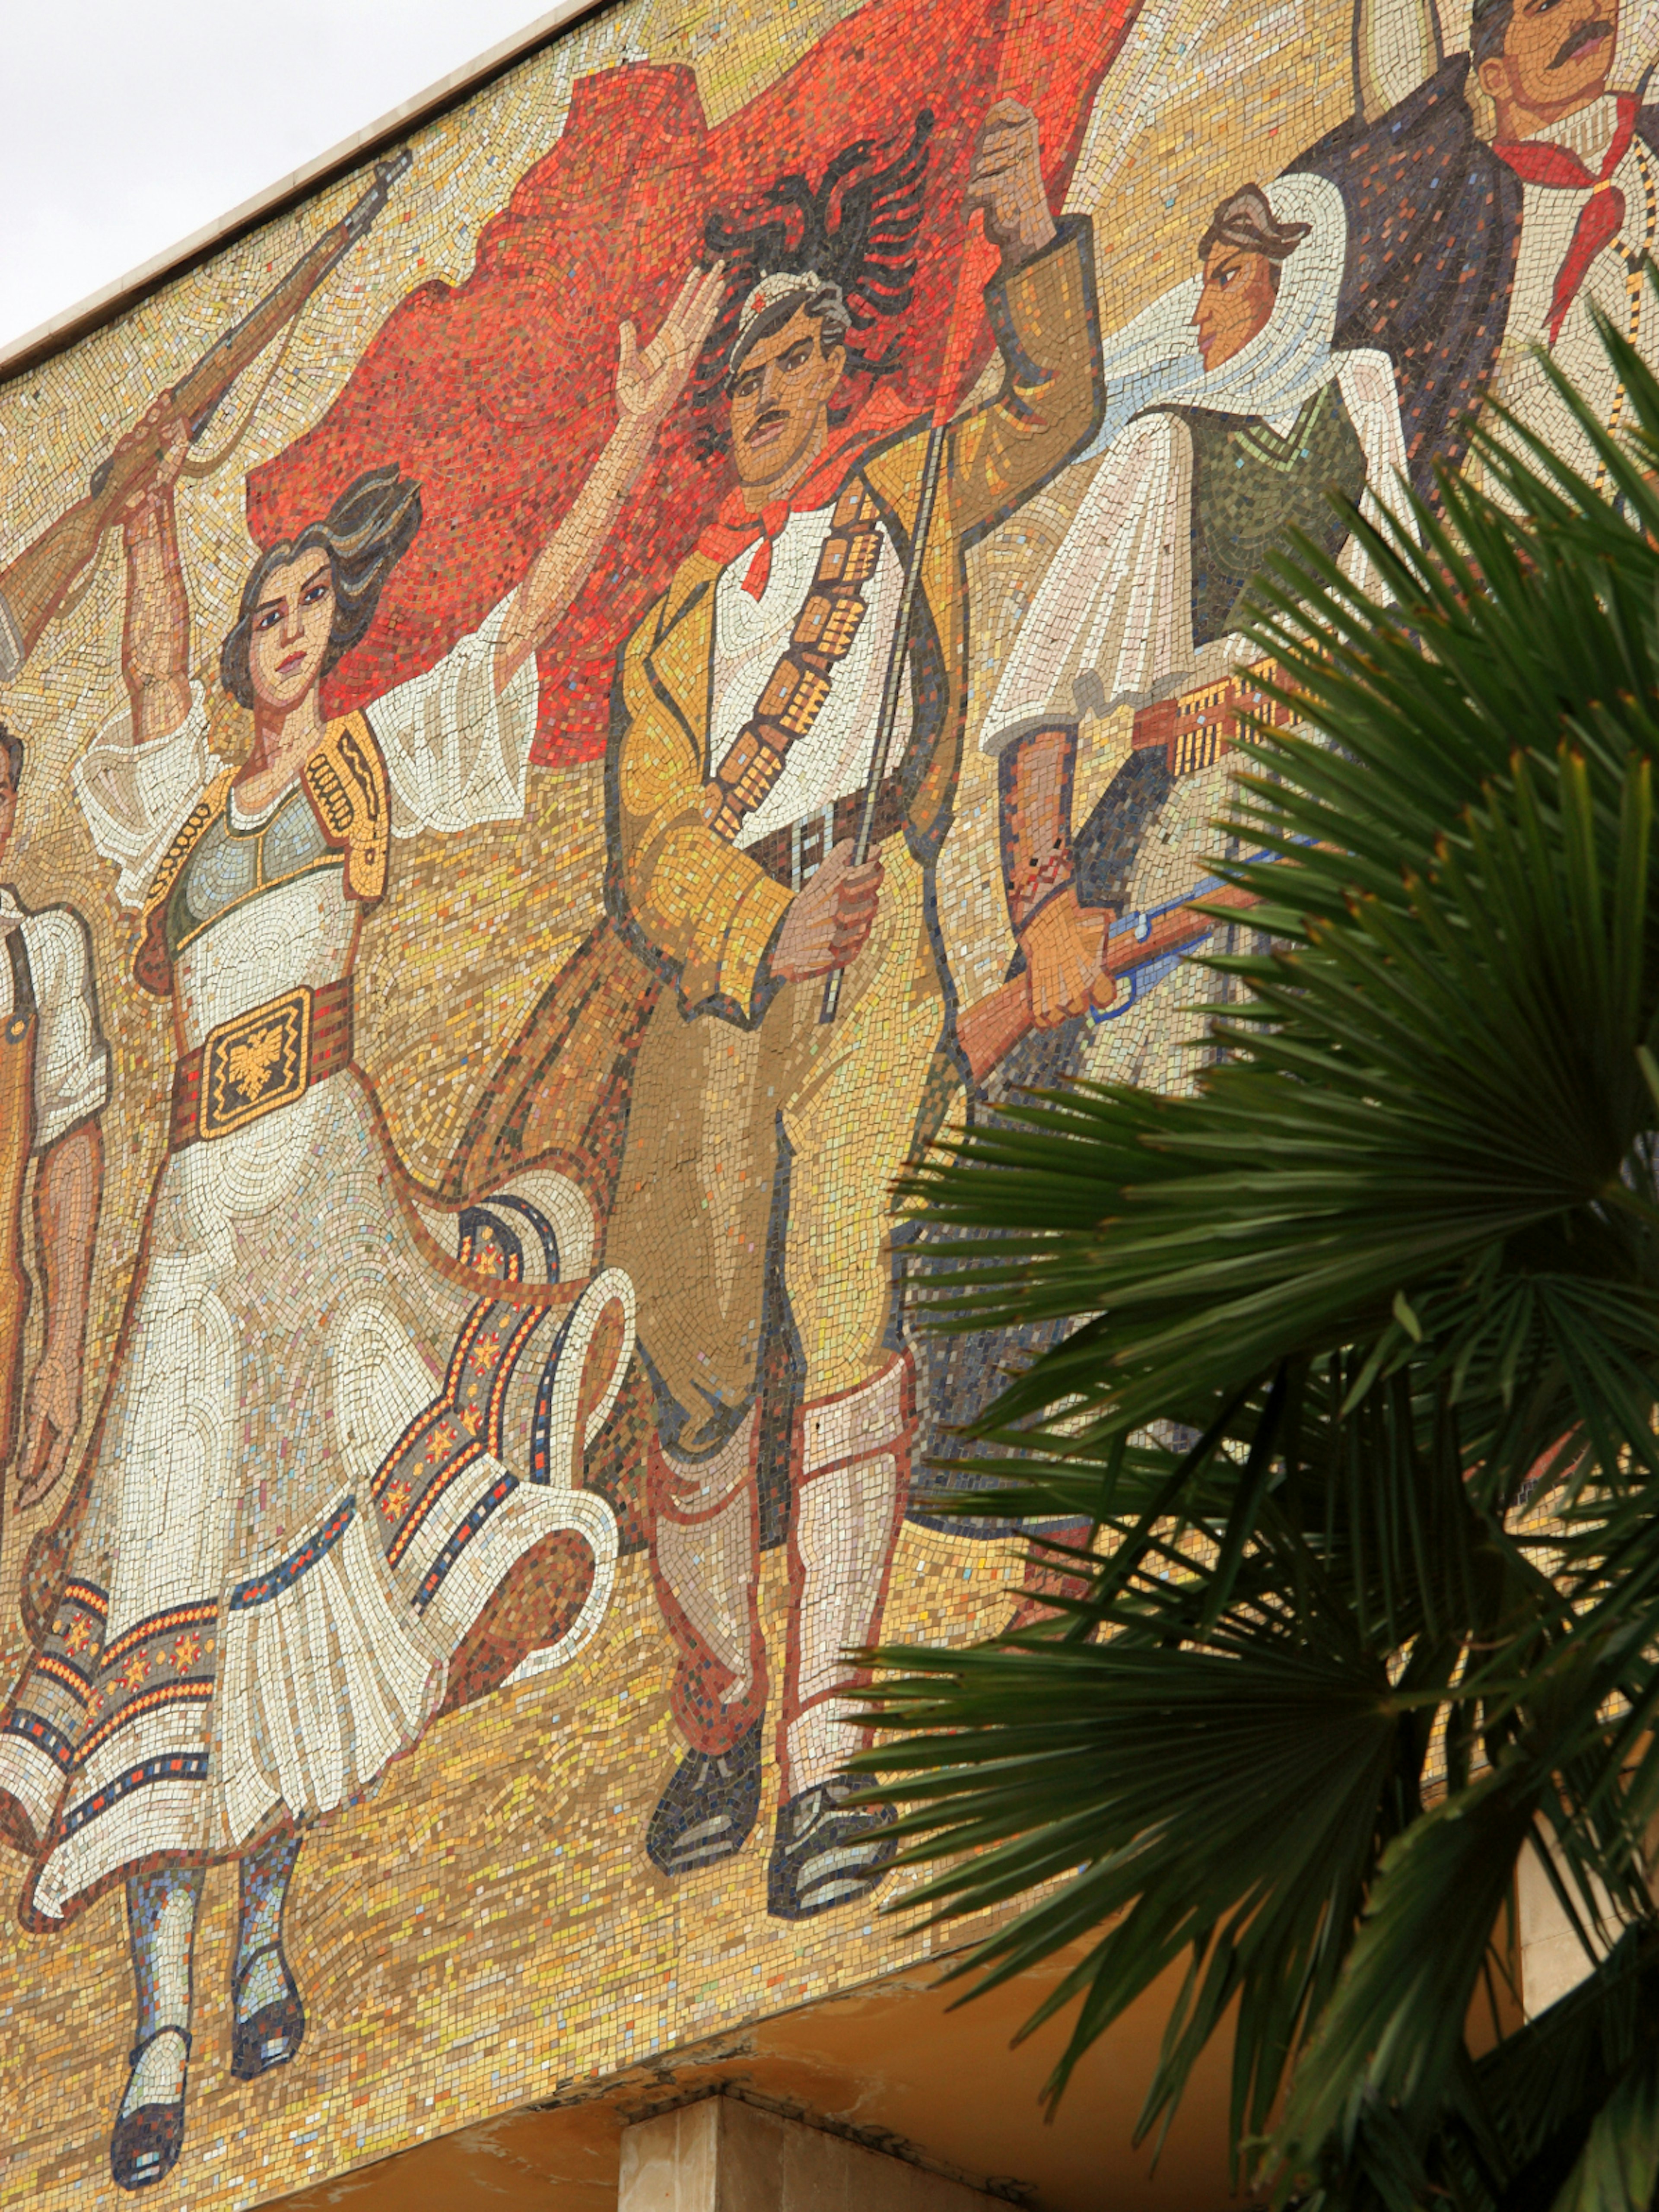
{"x":735,"y":527}
{"x":1539,"y":161}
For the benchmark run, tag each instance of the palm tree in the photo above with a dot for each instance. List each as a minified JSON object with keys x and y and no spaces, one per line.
{"x":1354,"y":1409}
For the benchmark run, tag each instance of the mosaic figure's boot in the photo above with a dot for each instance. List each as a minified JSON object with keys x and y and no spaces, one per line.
{"x":852,"y":1484}
{"x":149,"y":2121}
{"x":705,"y":1554}
{"x":150,"y":2128}
{"x":268,"y":2016}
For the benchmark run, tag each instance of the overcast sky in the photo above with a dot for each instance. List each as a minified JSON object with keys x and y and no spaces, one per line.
{"x":126,"y":124}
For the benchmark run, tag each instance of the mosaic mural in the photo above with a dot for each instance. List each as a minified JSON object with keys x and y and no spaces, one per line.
{"x":570,"y":703}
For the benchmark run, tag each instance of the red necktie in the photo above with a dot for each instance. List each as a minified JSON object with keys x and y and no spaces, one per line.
{"x":1538,"y":161}
{"x":734,"y":527}
{"x":771,"y":520}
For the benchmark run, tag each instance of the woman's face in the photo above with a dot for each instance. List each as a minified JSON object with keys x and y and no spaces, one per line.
{"x":1236,"y":302}
{"x":288,"y":635}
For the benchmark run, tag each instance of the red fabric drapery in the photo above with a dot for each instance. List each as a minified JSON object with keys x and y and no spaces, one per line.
{"x":496,"y":393}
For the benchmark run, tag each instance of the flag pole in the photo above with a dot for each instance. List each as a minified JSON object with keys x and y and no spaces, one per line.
{"x":979,"y":261}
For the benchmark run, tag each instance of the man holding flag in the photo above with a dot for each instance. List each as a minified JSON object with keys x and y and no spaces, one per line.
{"x":741,"y":759}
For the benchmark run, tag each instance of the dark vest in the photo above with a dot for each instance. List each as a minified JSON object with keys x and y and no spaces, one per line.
{"x":1251,"y":488}
{"x":1434,"y":227}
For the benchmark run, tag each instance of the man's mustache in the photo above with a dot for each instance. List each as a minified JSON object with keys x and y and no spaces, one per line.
{"x":766,"y":419}
{"x":1587,"y":34}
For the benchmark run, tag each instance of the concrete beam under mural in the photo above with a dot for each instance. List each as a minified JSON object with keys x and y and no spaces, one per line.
{"x":897,"y":2070}
{"x":724,"y":2153}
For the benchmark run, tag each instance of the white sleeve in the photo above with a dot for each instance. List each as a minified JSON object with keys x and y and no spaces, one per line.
{"x":1111,"y":623}
{"x":455,"y":754}
{"x":1396,"y":48}
{"x":135,"y":797}
{"x":1366,"y":379}
{"x":71,"y":1060}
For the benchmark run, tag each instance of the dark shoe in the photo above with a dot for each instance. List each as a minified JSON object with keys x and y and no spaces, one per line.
{"x":710,"y":1807}
{"x":827,"y":1853}
{"x":270,"y":2036}
{"x":144,"y":2145}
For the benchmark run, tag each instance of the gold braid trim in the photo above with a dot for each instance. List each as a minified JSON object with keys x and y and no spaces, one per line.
{"x":798,"y":686}
{"x":346,"y":782}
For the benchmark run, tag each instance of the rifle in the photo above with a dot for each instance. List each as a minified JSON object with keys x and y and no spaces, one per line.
{"x":33,"y":586}
{"x":994,"y":1025}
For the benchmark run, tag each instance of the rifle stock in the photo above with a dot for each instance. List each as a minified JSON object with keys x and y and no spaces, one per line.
{"x":33,"y":586}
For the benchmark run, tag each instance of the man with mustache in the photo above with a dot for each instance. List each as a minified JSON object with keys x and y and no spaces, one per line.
{"x":762,"y":1140}
{"x":1492,"y":210}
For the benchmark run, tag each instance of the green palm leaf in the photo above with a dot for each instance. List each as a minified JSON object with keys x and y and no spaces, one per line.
{"x":1319,"y":1685}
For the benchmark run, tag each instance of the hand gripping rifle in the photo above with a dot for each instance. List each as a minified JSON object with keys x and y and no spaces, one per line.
{"x":32,"y":587}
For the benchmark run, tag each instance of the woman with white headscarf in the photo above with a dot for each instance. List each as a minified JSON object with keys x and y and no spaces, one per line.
{"x":1230,"y":423}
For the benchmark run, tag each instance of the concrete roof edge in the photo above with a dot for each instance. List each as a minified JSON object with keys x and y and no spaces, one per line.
{"x":113,"y":299}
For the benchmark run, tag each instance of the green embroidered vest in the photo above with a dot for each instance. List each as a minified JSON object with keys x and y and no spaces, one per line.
{"x":1251,"y":488}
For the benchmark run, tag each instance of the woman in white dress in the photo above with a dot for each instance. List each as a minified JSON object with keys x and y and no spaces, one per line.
{"x":328,"y":1435}
{"x":1231,"y":417}
{"x":1236,"y":365}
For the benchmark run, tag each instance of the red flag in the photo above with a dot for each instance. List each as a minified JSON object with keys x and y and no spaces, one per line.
{"x":496,"y":393}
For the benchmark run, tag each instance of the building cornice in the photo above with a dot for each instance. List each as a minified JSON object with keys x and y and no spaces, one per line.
{"x":114,"y":300}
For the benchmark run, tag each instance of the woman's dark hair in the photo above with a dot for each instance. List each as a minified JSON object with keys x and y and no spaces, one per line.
{"x":364,"y":534}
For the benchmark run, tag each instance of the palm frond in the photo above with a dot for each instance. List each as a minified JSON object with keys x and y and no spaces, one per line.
{"x":1316,"y":1683}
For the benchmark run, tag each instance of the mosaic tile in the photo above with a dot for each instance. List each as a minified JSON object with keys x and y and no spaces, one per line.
{"x":494,"y":896}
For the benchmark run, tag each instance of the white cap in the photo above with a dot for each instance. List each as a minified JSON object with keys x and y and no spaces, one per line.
{"x":782,"y":284}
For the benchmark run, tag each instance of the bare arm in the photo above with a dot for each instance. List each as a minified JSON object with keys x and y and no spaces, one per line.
{"x":1397,"y":47}
{"x":1063,"y":941}
{"x":648,"y":382}
{"x":68,"y":1192}
{"x":155,"y":644}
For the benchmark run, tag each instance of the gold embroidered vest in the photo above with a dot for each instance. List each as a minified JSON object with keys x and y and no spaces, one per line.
{"x":345,"y":783}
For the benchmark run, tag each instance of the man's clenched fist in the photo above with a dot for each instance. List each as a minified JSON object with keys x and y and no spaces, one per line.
{"x":1064,"y":946}
{"x":831,"y":919}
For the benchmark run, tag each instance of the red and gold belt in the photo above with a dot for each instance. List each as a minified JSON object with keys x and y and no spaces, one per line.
{"x":262,"y":1060}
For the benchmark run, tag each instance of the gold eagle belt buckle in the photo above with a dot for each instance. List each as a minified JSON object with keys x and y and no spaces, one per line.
{"x":253,"y":1065}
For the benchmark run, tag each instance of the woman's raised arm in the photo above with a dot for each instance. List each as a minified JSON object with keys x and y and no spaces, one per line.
{"x":155,"y":643}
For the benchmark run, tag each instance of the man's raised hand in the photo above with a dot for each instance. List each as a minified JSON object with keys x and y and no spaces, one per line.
{"x":1005,"y":180}
{"x":830,"y":920}
{"x":650,"y":379}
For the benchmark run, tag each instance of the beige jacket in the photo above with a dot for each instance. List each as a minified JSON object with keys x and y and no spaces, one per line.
{"x":698,"y":910}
